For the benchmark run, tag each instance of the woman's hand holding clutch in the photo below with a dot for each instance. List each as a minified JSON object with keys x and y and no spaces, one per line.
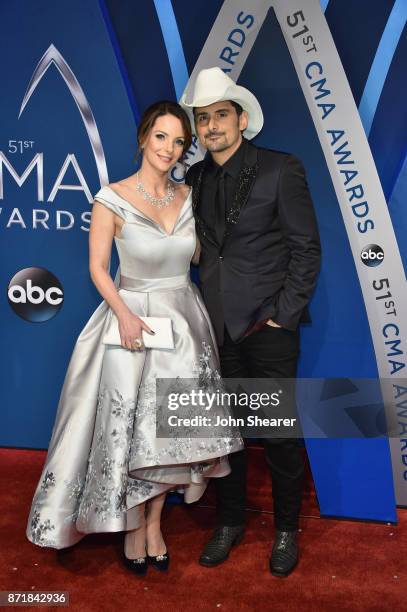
{"x":130,"y":328}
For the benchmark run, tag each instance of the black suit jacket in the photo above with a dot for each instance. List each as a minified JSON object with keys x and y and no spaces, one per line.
{"x":268,"y":262}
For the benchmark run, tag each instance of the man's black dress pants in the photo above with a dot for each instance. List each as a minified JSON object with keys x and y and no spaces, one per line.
{"x":270,"y":352}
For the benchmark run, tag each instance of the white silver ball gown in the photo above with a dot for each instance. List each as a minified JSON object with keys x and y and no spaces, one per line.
{"x":104,"y":459}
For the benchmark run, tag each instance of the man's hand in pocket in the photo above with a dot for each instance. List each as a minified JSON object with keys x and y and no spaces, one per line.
{"x":271,"y":323}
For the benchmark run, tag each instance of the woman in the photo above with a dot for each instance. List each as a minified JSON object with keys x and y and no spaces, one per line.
{"x":105,"y":469}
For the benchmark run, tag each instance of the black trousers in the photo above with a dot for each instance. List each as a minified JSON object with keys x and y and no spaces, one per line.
{"x":268,"y":353}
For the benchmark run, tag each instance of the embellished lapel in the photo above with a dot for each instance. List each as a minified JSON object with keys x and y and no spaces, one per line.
{"x":196,"y":187}
{"x":203,"y":228}
{"x":245,"y":181}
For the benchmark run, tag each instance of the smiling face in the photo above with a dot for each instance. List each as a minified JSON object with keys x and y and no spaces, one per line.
{"x":219,"y":127}
{"x":164,"y":144}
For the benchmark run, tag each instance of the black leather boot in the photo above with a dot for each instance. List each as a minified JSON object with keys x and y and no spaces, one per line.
{"x":217,"y":549}
{"x":284,"y":556}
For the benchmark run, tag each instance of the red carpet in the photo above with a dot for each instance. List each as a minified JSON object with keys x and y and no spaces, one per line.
{"x":344,"y":565}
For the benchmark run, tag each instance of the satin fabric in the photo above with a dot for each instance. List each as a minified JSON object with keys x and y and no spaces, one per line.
{"x":104,"y":459}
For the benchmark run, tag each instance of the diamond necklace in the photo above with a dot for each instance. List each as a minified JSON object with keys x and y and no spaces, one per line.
{"x":158,"y":202}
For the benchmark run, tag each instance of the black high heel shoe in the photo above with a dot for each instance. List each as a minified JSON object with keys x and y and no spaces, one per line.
{"x":137,"y":566}
{"x":160,"y":562}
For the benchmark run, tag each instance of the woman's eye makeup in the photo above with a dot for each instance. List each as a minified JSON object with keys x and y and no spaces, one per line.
{"x":180,"y":141}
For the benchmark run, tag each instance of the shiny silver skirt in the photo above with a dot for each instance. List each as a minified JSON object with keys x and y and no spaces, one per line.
{"x":104,"y":459}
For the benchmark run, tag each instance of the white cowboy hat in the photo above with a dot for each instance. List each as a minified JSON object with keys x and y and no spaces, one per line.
{"x":213,"y":85}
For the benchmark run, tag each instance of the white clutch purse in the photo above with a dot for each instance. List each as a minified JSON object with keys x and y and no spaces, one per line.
{"x":163,"y":338}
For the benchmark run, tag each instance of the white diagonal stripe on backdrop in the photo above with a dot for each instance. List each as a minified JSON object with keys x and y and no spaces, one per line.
{"x":333,"y":109}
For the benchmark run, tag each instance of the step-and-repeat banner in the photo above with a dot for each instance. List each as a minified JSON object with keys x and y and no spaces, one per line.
{"x":330,"y":79}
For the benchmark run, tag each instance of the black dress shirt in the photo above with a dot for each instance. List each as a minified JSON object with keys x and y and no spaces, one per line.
{"x":209,"y":191}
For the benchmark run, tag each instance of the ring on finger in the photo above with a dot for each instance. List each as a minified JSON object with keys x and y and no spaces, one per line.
{"x":138,"y":343}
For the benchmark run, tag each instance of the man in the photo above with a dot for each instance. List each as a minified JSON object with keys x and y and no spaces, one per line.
{"x":260,"y":254}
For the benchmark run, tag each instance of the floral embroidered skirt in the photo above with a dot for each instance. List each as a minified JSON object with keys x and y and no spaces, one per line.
{"x":104,"y":458}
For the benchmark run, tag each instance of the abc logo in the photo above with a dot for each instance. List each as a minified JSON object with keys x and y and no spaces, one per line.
{"x":372,"y":255}
{"x":35,"y":294}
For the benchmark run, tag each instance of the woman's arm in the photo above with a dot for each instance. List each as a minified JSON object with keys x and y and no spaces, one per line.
{"x":197,"y":253}
{"x":102,"y":230}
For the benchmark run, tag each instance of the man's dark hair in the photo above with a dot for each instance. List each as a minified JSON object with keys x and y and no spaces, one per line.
{"x":237,"y":107}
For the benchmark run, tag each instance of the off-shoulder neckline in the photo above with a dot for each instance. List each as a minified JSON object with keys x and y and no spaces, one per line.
{"x":139,"y":212}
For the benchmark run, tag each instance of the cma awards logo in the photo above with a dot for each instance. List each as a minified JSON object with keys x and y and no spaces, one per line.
{"x":35,"y":294}
{"x":64,"y":220}
{"x":372,"y":255}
